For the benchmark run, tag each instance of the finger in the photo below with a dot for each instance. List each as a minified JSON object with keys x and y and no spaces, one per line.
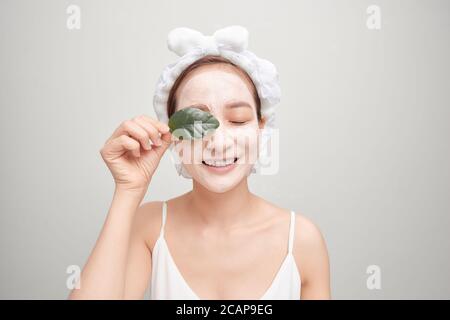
{"x":166,"y":140}
{"x":152,"y":131}
{"x":162,"y":127}
{"x":155,"y":155}
{"x":135,"y":131}
{"x":125,"y":143}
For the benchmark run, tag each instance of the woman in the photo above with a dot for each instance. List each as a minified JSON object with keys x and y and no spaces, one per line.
{"x":219,"y":240}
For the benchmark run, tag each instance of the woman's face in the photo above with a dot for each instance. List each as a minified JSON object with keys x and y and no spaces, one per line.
{"x":221,"y":90}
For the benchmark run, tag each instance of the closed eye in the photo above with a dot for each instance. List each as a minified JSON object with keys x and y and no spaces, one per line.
{"x":238,"y":122}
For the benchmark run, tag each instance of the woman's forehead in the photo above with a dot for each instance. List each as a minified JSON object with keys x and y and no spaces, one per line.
{"x":214,"y":85}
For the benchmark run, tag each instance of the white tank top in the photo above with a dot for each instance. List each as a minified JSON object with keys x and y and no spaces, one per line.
{"x":167,"y":283}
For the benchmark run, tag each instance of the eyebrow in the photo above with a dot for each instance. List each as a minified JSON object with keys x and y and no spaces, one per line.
{"x":201,"y":106}
{"x":237,"y":104}
{"x":231,"y":105}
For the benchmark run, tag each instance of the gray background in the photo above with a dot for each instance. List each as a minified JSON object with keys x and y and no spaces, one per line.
{"x":363,"y":125}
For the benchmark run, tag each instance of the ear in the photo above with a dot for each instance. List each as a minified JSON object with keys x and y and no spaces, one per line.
{"x":262,"y":122}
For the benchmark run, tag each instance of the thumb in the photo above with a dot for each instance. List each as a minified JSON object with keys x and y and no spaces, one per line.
{"x":166,"y":140}
{"x":152,"y":157}
{"x":156,"y":152}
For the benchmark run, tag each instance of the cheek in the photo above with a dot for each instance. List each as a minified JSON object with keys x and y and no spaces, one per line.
{"x":189,"y":151}
{"x":246,"y":140}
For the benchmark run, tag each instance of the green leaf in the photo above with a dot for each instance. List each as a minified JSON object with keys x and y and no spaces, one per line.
{"x":192,"y":123}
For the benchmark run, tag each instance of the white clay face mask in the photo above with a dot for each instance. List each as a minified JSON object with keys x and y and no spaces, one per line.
{"x":220,"y":160}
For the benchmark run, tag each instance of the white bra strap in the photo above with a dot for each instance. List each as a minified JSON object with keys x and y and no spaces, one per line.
{"x":164,"y":214}
{"x":291,"y":231}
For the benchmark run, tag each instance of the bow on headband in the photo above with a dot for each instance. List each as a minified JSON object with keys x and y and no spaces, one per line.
{"x":182,"y":40}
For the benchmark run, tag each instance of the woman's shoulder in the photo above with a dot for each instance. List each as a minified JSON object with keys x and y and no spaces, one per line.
{"x":148,"y":218}
{"x":306,"y":231}
{"x":309,"y":248}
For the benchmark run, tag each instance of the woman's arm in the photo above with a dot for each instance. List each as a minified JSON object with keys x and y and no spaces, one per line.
{"x":311,"y":250}
{"x":144,"y":233}
{"x":103,"y":276}
{"x":132,"y":154}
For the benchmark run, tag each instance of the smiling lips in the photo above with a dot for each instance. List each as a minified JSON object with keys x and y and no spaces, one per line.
{"x":220,"y":166}
{"x":219,"y":163}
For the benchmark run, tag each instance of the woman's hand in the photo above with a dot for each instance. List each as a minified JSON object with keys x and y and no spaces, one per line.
{"x":129,"y":155}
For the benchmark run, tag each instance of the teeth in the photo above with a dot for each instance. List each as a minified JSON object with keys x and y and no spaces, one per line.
{"x":219,"y":163}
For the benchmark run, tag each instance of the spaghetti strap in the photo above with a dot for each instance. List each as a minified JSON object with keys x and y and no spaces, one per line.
{"x":168,"y":283}
{"x":164,"y":214}
{"x":291,"y":231}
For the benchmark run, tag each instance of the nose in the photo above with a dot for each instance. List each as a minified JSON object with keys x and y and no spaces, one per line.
{"x":220,"y":144}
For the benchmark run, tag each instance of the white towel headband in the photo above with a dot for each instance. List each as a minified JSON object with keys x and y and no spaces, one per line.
{"x":231,"y":43}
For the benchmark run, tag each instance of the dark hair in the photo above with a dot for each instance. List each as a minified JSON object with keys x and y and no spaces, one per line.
{"x":209,"y":60}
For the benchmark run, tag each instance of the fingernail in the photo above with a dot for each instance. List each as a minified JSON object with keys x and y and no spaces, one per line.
{"x":158,"y":142}
{"x":166,"y":128}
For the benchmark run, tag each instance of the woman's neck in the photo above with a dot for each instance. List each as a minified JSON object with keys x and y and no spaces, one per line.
{"x":222,"y":210}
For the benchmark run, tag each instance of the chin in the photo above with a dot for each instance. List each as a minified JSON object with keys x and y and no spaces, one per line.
{"x":217,"y":183}
{"x":218,"y":188}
